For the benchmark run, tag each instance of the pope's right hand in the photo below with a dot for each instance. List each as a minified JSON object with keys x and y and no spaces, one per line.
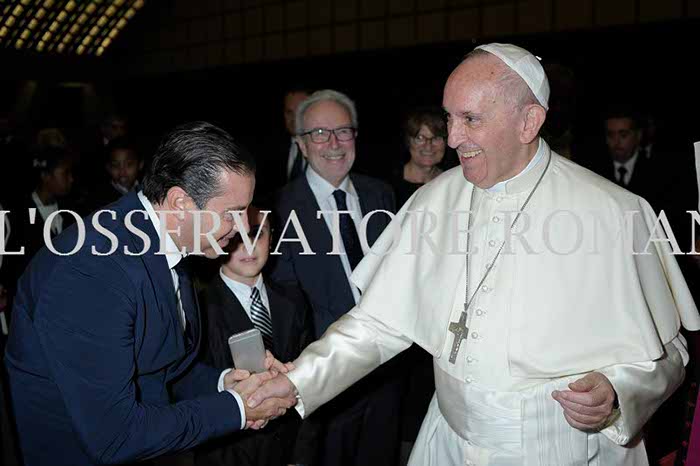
{"x":279,"y":387}
{"x":259,"y":414}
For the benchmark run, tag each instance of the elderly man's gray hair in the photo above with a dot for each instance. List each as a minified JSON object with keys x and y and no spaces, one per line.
{"x":318,"y":96}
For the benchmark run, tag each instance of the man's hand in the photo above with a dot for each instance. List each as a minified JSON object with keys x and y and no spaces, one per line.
{"x":279,"y":387}
{"x":589,"y":403}
{"x":273,"y":406}
{"x":271,"y":363}
{"x":232,"y":378}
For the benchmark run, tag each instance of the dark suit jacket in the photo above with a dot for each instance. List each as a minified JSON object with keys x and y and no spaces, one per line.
{"x":97,"y":357}
{"x":321,"y":277}
{"x":292,"y":332}
{"x":362,"y":423}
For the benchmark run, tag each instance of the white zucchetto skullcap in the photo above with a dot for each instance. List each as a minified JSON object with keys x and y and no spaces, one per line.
{"x":526,"y":65}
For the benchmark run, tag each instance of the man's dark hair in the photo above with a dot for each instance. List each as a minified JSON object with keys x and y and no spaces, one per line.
{"x":624,"y":111}
{"x":193,"y":156}
{"x":121,"y":143}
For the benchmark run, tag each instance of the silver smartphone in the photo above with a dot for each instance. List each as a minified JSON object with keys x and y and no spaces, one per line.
{"x":248,"y":350}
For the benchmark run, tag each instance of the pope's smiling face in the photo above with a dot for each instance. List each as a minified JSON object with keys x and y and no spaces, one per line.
{"x":483,"y":124}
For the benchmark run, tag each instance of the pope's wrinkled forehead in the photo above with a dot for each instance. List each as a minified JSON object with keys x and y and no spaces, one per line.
{"x":526,"y":65}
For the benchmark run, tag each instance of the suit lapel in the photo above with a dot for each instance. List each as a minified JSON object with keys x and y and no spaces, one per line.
{"x":234,"y":317}
{"x":368,"y":203}
{"x":157,"y":266}
{"x":281,"y":320}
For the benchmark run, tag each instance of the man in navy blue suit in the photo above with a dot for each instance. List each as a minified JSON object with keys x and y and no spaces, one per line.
{"x":101,"y":354}
{"x":362,"y":424}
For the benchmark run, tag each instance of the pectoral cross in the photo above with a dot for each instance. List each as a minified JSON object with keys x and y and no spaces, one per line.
{"x":460,"y":331}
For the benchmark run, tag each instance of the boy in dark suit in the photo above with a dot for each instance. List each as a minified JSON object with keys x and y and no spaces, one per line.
{"x":239,"y":299}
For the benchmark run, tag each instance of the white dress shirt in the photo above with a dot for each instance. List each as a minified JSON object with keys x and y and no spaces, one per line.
{"x":323,"y":192}
{"x":629,"y":166}
{"x":243,"y":292}
{"x":174,"y":256}
{"x":47,"y":209}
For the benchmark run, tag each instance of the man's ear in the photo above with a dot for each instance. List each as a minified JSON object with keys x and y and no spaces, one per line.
{"x":302,"y":145}
{"x":178,"y":200}
{"x":533,"y":119}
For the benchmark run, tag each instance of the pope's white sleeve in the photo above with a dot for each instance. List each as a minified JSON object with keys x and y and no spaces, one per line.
{"x":642,"y":387}
{"x":350,"y":349}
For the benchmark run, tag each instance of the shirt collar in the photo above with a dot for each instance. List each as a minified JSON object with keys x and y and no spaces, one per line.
{"x":241,"y":290}
{"x":322,"y":189}
{"x":123,"y":190}
{"x":629,"y":164}
{"x":41,"y":205}
{"x":173,"y":254}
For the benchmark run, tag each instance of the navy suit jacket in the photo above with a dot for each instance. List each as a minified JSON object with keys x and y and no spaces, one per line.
{"x":98,"y":366}
{"x":322,"y":277}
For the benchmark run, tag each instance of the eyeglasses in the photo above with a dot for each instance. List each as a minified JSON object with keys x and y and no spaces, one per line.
{"x":421,"y":140}
{"x":321,"y":135}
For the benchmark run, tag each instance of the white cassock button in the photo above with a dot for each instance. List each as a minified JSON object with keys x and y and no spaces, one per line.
{"x":479,"y":312}
{"x":475,"y":335}
{"x":470,"y":360}
{"x":485,"y":289}
{"x":469,"y":379}
{"x":496,"y":219}
{"x":499,"y":199}
{"x":492,"y":243}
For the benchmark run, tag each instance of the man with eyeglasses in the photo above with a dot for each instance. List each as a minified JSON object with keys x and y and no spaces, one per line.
{"x":361,"y":424}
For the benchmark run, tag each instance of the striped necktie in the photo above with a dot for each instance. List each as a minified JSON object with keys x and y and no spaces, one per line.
{"x":261,"y":318}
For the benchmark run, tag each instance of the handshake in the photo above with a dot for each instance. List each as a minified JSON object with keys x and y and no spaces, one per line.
{"x":266,"y":395}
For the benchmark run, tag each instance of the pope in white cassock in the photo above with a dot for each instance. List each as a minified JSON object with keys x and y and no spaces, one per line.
{"x":553,"y":344}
